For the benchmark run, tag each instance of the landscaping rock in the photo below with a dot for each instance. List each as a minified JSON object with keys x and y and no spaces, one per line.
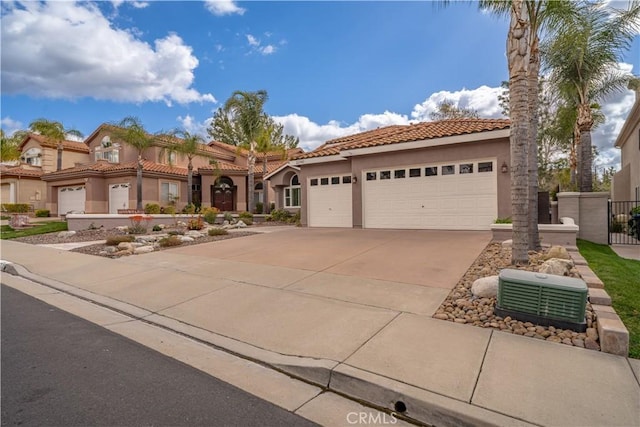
{"x":143,"y":250}
{"x":241,"y":224}
{"x":507,"y":243}
{"x":125,"y":246}
{"x":186,"y":239}
{"x":66,"y":234}
{"x":122,"y":228}
{"x":557,"y":252}
{"x":591,"y":344}
{"x":110,"y":249}
{"x":557,"y":266}
{"x":194,"y":234}
{"x":485,"y":287}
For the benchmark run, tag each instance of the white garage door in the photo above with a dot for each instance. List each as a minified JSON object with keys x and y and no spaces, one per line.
{"x":451,"y":196}
{"x":329,"y":201}
{"x":71,"y":199}
{"x":118,"y":197}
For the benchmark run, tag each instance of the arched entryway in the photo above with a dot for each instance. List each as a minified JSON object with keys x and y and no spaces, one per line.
{"x":223,"y":194}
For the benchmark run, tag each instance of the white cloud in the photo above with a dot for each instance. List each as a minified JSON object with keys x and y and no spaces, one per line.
{"x":223,"y":7}
{"x":256,"y":46}
{"x":268,"y":49}
{"x":483,"y":99}
{"x":252,"y":40}
{"x":191,"y":125}
{"x":10,"y":126}
{"x":137,"y":4}
{"x":70,"y":50}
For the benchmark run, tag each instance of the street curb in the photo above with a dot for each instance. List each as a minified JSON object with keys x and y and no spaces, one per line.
{"x":422,"y":406}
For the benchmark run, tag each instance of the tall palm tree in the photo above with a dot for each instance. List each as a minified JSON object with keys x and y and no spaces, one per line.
{"x":131,"y":131}
{"x":245,"y":109}
{"x":9,"y":150}
{"x":187,"y":145}
{"x":583,"y":60}
{"x":270,"y":140}
{"x":55,"y":131}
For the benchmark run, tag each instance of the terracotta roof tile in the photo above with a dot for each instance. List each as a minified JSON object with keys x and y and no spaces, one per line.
{"x":224,"y":166}
{"x":47,"y":142}
{"x":406,"y":133}
{"x":20,"y":171}
{"x":103,"y":166}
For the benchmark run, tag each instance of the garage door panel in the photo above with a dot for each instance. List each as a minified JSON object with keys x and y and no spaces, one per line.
{"x":457,"y":201}
{"x":71,"y":199}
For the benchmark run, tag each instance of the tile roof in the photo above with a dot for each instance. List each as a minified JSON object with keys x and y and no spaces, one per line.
{"x":48,"y":142}
{"x":223,"y":166}
{"x":103,"y":166}
{"x":406,"y":133}
{"x":271,"y":155}
{"x":20,"y":171}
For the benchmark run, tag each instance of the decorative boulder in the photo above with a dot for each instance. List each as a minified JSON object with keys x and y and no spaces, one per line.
{"x":143,"y":250}
{"x":123,"y":228}
{"x":111,"y":249}
{"x":193,"y":233}
{"x":557,"y":252}
{"x":240,"y":224}
{"x":125,"y":246}
{"x":66,"y":234}
{"x":557,"y":266}
{"x":485,"y":287}
{"x":186,"y":239}
{"x":507,"y":243}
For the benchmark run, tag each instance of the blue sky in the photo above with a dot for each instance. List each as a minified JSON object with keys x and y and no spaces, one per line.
{"x":330,"y":68}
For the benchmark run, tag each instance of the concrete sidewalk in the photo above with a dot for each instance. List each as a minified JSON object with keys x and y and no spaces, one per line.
{"x":364,"y":332}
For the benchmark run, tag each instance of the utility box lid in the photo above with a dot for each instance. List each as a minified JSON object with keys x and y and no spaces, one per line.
{"x":547,"y":280}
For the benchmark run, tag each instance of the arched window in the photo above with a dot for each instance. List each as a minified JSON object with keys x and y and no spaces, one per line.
{"x":258,"y":193}
{"x":108,"y":151}
{"x":33,"y":157}
{"x":292,"y":193}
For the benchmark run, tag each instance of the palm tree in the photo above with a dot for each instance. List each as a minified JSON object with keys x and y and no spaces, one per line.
{"x":269,"y":141}
{"x":186,"y":145}
{"x":245,"y":121}
{"x":583,"y":58}
{"x":131,"y":131}
{"x":9,"y":150}
{"x":54,"y":131}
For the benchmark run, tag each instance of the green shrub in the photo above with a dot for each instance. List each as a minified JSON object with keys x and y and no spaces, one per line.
{"x":228,"y":216}
{"x":248,"y":221}
{"x":617,"y":227}
{"x":217,"y":232}
{"x":170,"y":241}
{"x":189,"y":209}
{"x":245,"y":214}
{"x":15,"y":207}
{"x":115,"y":240}
{"x":170,"y":210}
{"x":259,"y":207}
{"x":210,"y":215}
{"x":295,"y":219}
{"x":156,"y":228}
{"x":42,"y":213}
{"x":635,"y":211}
{"x":279,"y":215}
{"x":195,"y":223}
{"x":506,"y":220}
{"x":152,"y":208}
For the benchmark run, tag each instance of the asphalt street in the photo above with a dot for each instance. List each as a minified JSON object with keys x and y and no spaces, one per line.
{"x":60,"y":370}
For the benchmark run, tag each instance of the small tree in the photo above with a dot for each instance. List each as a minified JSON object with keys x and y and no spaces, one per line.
{"x":9,"y":145}
{"x":186,"y":145}
{"x":447,"y":109}
{"x":54,"y":131}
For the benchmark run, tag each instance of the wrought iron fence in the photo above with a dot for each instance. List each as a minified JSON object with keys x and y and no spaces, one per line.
{"x":624,"y":222}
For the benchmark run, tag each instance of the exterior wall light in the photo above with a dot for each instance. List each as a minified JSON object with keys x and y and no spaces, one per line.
{"x":355,"y":179}
{"x":504,"y":168}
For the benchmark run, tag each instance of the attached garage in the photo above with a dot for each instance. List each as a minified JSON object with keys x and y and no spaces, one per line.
{"x":118,"y":197}
{"x":329,"y":201}
{"x":71,"y":199}
{"x":452,"y":196}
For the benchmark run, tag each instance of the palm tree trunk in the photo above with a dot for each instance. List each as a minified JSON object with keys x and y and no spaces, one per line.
{"x":251,"y":160}
{"x":139,"y":184}
{"x":265,"y":190}
{"x":517,"y":48}
{"x":532,"y":156}
{"x":585,"y":156}
{"x":189,"y":182}
{"x":59,"y":158}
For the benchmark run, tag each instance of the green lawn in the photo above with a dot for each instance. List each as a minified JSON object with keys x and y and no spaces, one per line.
{"x":6,"y":232}
{"x":621,"y":278}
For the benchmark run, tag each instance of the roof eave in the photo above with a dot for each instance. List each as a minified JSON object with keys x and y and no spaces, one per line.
{"x":629,"y":124}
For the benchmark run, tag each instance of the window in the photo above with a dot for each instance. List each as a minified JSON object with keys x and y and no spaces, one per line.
{"x":413,"y":173}
{"x":448,"y":170}
{"x":371,"y":176}
{"x":108,"y":151}
{"x":171,"y":157}
{"x":335,"y":180}
{"x":258,"y":193}
{"x":314,"y":182}
{"x":400,"y":173}
{"x":346,"y":179}
{"x":324,"y":181}
{"x":292,"y":193}
{"x":485,"y":167}
{"x":168,"y":192}
{"x":33,"y":157}
{"x":385,"y":175}
{"x":431,"y":171}
{"x":466,"y":168}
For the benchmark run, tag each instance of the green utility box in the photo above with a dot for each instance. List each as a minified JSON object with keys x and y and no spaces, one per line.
{"x":544,"y":299}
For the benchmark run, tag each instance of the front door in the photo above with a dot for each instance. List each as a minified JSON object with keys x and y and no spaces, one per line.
{"x":222,"y":197}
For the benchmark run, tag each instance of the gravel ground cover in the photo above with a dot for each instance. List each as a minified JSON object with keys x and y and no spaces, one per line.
{"x":461,"y":306}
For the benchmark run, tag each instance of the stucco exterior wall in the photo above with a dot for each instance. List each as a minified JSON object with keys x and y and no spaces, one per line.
{"x":31,"y":191}
{"x":589,"y":211}
{"x":630,"y":158}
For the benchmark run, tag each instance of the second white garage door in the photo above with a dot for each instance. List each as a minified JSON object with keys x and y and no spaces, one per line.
{"x":451,"y":196}
{"x":71,"y":199}
{"x":329,"y":201}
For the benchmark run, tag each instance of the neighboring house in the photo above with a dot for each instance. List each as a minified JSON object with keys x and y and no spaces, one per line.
{"x":451,"y":174}
{"x":106,"y":183}
{"x":39,"y":155}
{"x":626,"y":183}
